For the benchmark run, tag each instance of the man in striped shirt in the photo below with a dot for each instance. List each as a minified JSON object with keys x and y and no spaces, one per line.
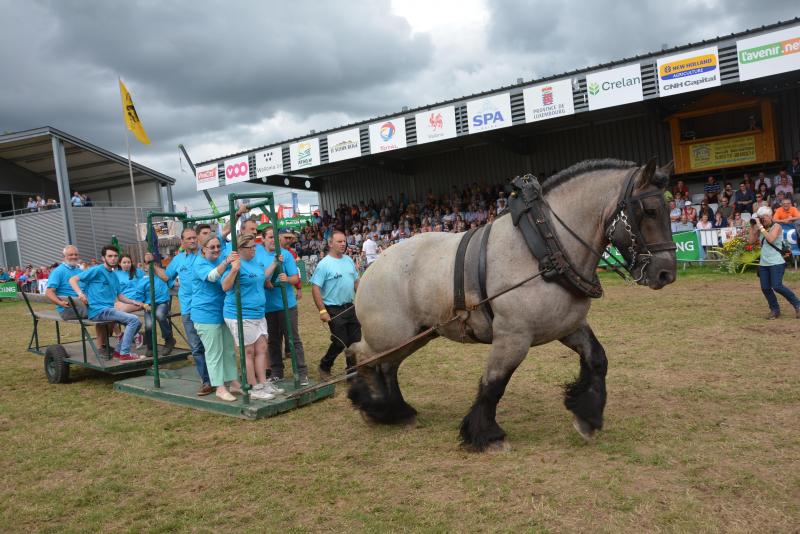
{"x":711,"y":189}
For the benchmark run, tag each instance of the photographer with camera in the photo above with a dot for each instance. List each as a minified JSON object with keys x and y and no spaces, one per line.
{"x":772,"y":265}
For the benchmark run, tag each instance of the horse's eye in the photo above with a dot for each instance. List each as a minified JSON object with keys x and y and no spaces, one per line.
{"x":650,"y":212}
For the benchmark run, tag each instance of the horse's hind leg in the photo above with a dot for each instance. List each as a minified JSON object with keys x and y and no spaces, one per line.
{"x":586,"y":396}
{"x":479,"y":428}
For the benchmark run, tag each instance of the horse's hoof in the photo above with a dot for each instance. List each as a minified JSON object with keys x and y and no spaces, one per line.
{"x":498,"y":446}
{"x":583,"y":428}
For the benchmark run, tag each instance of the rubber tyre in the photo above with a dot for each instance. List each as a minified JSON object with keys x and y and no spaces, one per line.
{"x":56,"y":368}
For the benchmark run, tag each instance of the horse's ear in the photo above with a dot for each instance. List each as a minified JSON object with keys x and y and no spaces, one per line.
{"x":667,"y":169}
{"x":647,"y":173}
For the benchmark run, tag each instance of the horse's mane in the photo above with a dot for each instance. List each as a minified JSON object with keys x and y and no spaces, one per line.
{"x":582,"y":168}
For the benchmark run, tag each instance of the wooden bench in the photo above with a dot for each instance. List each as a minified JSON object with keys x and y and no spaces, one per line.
{"x":53,"y":315}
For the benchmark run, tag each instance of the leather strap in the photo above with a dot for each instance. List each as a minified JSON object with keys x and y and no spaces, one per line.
{"x":487,"y":307}
{"x":459,"y":294}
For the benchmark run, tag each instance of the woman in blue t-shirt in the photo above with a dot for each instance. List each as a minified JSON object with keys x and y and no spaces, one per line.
{"x":253,"y":274}
{"x":129,"y":275}
{"x":207,"y":303}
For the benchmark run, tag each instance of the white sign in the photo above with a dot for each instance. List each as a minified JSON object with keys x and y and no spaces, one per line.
{"x":304,"y":154}
{"x":237,"y":170}
{"x":436,"y":124}
{"x":206,"y":177}
{"x":771,"y":53}
{"x":269,"y":162}
{"x":690,"y":71}
{"x":489,"y":113}
{"x":548,"y":100}
{"x":614,"y":87}
{"x":344,"y":145}
{"x":387,"y":135}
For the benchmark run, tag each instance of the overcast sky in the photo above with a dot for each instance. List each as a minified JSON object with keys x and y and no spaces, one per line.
{"x":222,"y":77}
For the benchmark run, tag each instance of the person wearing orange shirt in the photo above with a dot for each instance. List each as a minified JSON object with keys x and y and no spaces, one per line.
{"x":787,"y":213}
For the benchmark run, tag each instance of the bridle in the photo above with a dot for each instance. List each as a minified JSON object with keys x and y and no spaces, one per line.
{"x":629,"y":212}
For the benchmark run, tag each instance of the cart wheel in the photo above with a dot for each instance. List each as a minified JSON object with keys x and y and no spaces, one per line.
{"x":55,"y":366}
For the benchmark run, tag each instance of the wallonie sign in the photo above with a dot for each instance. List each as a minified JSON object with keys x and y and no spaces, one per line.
{"x":614,"y":87}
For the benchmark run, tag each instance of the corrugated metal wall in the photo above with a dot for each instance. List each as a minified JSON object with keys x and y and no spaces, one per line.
{"x":95,"y":226}
{"x":41,"y":237}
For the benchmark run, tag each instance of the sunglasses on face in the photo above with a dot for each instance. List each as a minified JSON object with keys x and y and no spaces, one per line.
{"x":251,"y":246}
{"x":213,"y":247}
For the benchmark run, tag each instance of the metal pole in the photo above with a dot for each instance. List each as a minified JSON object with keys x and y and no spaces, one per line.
{"x":133,"y":192}
{"x":286,"y":319}
{"x":62,"y":179}
{"x":151,"y":274}
{"x":237,"y":288}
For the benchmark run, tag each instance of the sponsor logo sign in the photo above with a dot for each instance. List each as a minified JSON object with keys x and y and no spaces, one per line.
{"x":237,"y":170}
{"x":548,"y":100}
{"x":690,"y":71}
{"x":206,"y":177}
{"x":723,"y":152}
{"x":387,"y":135}
{"x":344,"y":145}
{"x":269,"y":162}
{"x":8,"y":290}
{"x":614,"y":87}
{"x":790,"y":236}
{"x":436,"y":124}
{"x":304,"y":154}
{"x":687,"y":246}
{"x":489,"y":113}
{"x":771,"y":53}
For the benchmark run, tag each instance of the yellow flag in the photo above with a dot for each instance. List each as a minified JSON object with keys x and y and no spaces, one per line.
{"x":131,"y":117}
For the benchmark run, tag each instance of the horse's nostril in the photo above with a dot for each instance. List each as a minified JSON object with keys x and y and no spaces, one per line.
{"x":665,"y":277}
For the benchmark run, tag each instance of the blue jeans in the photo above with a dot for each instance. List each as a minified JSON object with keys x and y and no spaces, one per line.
{"x":198,"y":352}
{"x":131,"y":322}
{"x":162,"y":316}
{"x":771,"y":277}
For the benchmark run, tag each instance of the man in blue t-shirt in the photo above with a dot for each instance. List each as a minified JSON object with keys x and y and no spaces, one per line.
{"x":182,"y":268}
{"x":334,"y":285}
{"x":102,"y":291}
{"x":162,"y":305}
{"x":276,"y":321}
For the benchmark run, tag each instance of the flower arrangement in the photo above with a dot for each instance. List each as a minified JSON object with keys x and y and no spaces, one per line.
{"x":736,"y":253}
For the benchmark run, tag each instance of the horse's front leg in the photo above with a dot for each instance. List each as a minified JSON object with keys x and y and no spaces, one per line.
{"x":479,"y":429}
{"x":586,"y":396}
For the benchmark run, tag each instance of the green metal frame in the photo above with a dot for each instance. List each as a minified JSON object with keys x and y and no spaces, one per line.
{"x":268,"y":201}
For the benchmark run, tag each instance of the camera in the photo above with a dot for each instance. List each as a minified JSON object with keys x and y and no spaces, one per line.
{"x":753,"y":221}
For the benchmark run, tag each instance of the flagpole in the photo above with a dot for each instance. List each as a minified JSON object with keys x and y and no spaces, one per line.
{"x":130,"y":173}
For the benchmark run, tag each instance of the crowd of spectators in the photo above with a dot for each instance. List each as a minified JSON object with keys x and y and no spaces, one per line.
{"x":40,"y":204}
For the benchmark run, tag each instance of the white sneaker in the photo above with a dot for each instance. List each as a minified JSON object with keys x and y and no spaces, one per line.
{"x":270,"y":387}
{"x":261,"y":394}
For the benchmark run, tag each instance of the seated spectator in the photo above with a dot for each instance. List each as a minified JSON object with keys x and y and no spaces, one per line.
{"x":679,"y":200}
{"x":784,"y":186}
{"x":743,"y":199}
{"x":764,"y":180}
{"x":763,"y":189}
{"x":31,"y":205}
{"x":680,"y":188}
{"x":727,"y":191}
{"x":738,"y":222}
{"x":690,"y":212}
{"x":704,"y":223}
{"x":77,"y":200}
{"x":706,"y":210}
{"x":711,"y":189}
{"x":51,"y":204}
{"x":4,"y":276}
{"x":760,"y":201}
{"x":748,"y":182}
{"x":783,"y":173}
{"x":719,"y":220}
{"x":794,"y":170}
{"x":674,"y":213}
{"x":725,"y":208}
{"x":684,"y":225}
{"x":40,"y":203}
{"x":786,"y":213}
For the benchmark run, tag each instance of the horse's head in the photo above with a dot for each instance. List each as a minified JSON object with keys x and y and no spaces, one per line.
{"x":639,"y":227}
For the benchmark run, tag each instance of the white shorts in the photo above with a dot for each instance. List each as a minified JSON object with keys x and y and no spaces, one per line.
{"x":253,"y":329}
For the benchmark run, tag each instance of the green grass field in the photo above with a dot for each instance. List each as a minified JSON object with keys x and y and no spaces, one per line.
{"x":701,"y":435}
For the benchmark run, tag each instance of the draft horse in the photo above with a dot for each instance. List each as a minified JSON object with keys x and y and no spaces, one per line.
{"x":409,"y":289}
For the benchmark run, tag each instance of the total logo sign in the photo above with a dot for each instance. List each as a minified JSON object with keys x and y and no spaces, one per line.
{"x":237,"y":170}
{"x":489,"y":113}
{"x":614,"y":87}
{"x":435,"y":124}
{"x":387,"y":135}
{"x":690,"y":71}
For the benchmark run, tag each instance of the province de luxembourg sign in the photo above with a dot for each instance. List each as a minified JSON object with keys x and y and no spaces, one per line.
{"x":614,"y":87}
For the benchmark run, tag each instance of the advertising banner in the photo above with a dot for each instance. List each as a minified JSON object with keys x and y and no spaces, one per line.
{"x":206,"y":177}
{"x":8,"y":290}
{"x":771,"y":53}
{"x":237,"y":170}
{"x":548,"y":100}
{"x":688,"y":244}
{"x":297,"y":221}
{"x":690,"y":71}
{"x":722,"y":152}
{"x":605,"y":261}
{"x":304,"y":154}
{"x":387,"y":135}
{"x":344,"y":145}
{"x":489,"y":113}
{"x":269,"y":162}
{"x":790,"y":236}
{"x":614,"y":87}
{"x":436,"y":124}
